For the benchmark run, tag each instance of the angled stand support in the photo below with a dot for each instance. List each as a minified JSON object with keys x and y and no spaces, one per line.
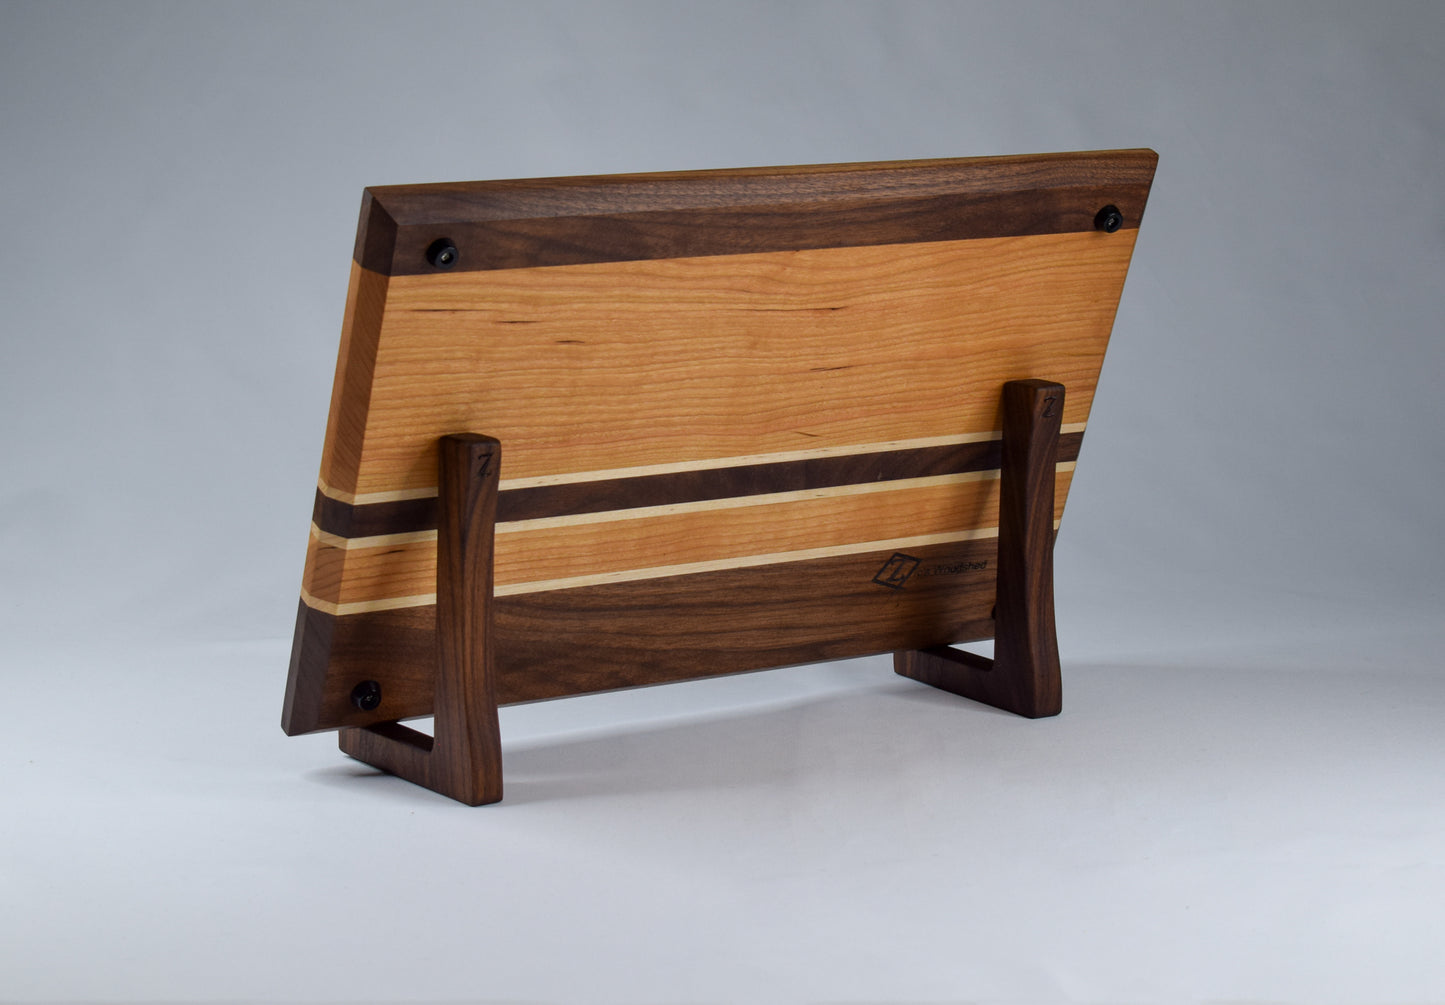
{"x":464,"y":758}
{"x":1023,"y":676}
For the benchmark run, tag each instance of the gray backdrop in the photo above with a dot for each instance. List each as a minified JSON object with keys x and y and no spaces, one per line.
{"x":180,"y":188}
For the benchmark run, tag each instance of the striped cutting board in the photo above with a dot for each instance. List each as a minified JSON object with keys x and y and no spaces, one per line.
{"x":748,"y":418}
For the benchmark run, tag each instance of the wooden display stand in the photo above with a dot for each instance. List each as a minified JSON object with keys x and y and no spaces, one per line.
{"x":750,"y":419}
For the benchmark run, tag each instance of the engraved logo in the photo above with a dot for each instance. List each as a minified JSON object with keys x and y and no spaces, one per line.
{"x":954,"y":568}
{"x":896,"y":570}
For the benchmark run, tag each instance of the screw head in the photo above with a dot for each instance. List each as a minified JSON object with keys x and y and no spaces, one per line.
{"x":1108,"y":219}
{"x":366,"y":695}
{"x":442,"y":253}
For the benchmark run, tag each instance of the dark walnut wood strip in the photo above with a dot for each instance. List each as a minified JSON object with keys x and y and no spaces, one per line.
{"x":412,"y":515}
{"x":559,"y":643}
{"x":572,"y":221}
{"x":372,"y":519}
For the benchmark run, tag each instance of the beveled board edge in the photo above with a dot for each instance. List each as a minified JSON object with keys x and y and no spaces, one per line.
{"x":531,"y":223}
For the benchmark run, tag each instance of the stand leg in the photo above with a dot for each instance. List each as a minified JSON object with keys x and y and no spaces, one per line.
{"x":1023,"y":676}
{"x":464,"y":759}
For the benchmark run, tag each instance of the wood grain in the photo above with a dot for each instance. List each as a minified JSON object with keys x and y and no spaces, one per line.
{"x":720,"y":393}
{"x":537,"y":554}
{"x":653,"y":631}
{"x":532,"y":223}
{"x":646,"y":363}
{"x":355,"y":366}
{"x":1026,"y":650}
{"x":605,"y":492}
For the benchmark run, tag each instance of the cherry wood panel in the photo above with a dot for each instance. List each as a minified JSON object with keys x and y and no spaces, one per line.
{"x":355,"y":366}
{"x":632,"y":364}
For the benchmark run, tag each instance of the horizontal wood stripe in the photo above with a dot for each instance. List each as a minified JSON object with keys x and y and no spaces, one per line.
{"x":376,"y":541}
{"x":596,"y":638}
{"x":401,"y":573}
{"x":768,"y":354}
{"x":775,"y":499}
{"x":745,"y":562}
{"x":570,"y":221}
{"x":677,"y":467}
{"x":367,"y":606}
{"x":678,"y":487}
{"x":661,"y":572}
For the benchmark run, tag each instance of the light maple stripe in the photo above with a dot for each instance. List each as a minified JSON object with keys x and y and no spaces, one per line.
{"x":375,"y":541}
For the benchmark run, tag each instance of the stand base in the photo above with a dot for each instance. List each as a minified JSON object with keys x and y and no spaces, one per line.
{"x":977,"y":677}
{"x":464,"y":759}
{"x":1023,"y":676}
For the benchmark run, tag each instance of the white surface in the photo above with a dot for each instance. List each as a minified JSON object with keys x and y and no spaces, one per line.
{"x":1215,"y":830}
{"x":1242,"y":800}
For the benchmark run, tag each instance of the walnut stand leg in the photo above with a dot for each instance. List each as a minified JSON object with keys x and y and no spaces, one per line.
{"x":1023,"y":676}
{"x":464,"y":759}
